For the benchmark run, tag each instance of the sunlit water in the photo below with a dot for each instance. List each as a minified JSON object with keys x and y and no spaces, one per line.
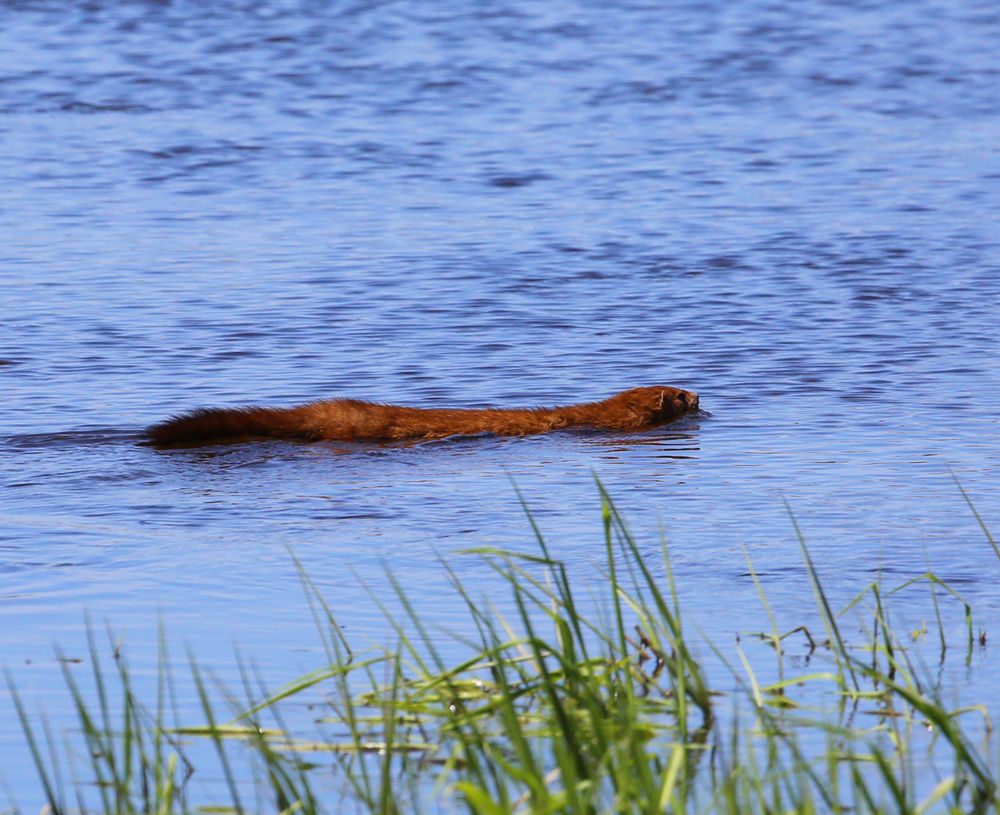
{"x":790,"y":208}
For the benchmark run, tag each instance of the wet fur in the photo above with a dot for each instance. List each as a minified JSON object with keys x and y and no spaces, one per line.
{"x":352,"y":420}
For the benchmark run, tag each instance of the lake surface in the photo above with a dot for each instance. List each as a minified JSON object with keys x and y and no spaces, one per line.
{"x":790,"y":208}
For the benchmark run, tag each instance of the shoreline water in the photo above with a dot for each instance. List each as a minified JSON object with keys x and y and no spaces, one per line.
{"x":630,"y":706}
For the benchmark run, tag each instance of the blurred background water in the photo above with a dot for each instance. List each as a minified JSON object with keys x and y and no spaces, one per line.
{"x":787,"y":207}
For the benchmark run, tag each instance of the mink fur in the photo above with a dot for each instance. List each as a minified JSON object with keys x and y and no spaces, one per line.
{"x":352,"y":420}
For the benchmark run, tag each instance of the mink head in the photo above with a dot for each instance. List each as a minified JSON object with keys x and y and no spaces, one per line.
{"x":651,"y":406}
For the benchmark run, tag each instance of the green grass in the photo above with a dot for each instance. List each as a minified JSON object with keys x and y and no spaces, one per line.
{"x":581,"y":702}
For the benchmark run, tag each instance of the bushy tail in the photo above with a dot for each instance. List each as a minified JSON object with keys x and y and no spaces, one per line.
{"x":206,"y":425}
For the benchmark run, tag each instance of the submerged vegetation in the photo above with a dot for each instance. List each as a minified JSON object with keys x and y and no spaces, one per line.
{"x":581,"y":703}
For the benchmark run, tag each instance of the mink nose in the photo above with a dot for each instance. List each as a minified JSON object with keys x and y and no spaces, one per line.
{"x":691,"y":399}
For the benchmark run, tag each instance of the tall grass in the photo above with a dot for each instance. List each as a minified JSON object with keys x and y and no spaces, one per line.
{"x":577,"y":703}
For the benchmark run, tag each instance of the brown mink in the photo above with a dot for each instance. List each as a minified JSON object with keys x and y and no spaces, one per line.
{"x":351,"y":420}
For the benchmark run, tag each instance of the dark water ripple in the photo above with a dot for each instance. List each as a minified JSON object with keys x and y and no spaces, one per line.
{"x":786,"y":207}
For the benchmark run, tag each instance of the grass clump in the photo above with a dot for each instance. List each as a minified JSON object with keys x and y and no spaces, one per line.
{"x":569,"y":706}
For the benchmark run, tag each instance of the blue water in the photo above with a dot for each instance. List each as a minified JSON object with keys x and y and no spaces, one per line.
{"x":789,"y":208}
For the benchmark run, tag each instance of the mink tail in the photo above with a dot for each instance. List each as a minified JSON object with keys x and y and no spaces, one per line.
{"x":214,"y":424}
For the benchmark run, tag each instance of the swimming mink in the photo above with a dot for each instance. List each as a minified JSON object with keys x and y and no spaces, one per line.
{"x":352,"y":420}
